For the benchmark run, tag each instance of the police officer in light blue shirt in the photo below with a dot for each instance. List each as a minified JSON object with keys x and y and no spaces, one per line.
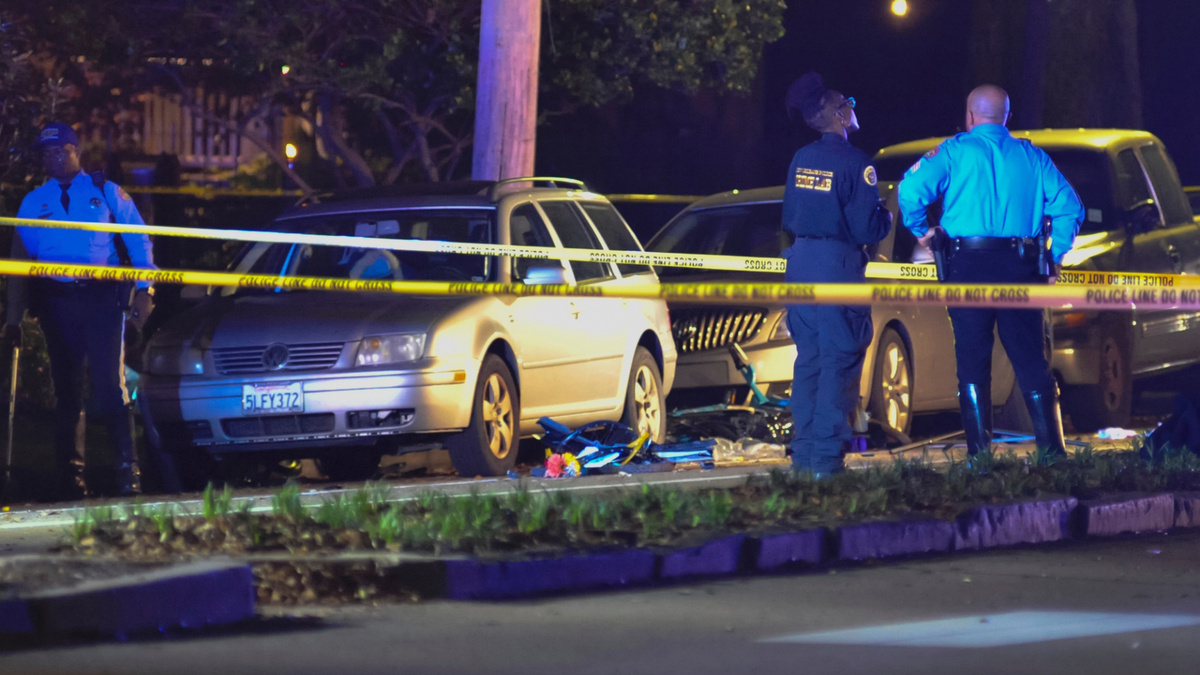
{"x":83,"y":321}
{"x":996,"y":191}
{"x":831,"y":205}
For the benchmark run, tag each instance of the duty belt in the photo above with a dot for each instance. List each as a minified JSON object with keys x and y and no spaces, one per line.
{"x":992,"y":243}
{"x":58,"y":288}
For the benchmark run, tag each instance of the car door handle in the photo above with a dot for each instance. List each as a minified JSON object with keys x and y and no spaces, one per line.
{"x":1176,"y":258}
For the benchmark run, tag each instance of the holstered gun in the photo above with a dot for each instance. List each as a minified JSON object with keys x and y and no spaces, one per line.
{"x":939,"y":245}
{"x":1045,"y":261}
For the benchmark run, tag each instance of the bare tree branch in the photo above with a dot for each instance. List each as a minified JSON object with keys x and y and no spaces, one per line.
{"x":199,"y":111}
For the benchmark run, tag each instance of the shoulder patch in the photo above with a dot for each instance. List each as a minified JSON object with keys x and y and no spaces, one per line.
{"x":869,"y":175}
{"x":123,"y":194}
{"x":916,"y":165}
{"x":932,"y":151}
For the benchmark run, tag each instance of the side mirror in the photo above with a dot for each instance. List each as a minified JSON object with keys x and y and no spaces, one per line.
{"x":192,"y":293}
{"x":1142,"y":217}
{"x":546,"y":273}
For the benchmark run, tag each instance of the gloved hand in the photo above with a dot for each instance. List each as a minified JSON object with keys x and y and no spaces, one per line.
{"x":140,"y":309}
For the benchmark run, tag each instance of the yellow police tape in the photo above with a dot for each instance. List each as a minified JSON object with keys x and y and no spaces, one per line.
{"x":954,"y":295}
{"x":875,"y":270}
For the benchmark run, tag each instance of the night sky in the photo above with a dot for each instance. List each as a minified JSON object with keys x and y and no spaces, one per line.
{"x":910,"y":77}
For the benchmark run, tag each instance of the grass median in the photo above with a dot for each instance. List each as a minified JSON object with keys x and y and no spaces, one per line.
{"x":529,"y":522}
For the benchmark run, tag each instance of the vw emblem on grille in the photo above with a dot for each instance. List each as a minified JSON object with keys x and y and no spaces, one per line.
{"x":275,"y":357}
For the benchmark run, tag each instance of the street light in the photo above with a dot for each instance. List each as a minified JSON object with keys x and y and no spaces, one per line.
{"x":899,"y":7}
{"x":290,"y":150}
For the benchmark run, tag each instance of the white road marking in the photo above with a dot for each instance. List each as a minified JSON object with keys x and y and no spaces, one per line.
{"x":995,"y":630}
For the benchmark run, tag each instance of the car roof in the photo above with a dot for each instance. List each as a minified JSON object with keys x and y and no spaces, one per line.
{"x":733,"y":197}
{"x":469,"y":194}
{"x":1051,"y":139}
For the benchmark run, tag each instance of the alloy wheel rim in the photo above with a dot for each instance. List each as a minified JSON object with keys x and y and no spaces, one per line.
{"x":1114,"y":385}
{"x":645,"y":398}
{"x":497,"y":410}
{"x":897,"y":390}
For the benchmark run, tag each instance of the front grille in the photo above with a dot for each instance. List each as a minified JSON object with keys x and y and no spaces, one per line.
{"x":278,"y":425}
{"x":239,"y":360}
{"x":705,"y":328}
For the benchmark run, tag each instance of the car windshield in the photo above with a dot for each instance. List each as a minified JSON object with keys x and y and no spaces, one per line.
{"x":344,"y":262}
{"x":738,"y":229}
{"x":1087,"y":172}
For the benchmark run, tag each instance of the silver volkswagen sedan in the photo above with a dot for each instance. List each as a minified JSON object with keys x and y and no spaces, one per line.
{"x":345,"y":378}
{"x":909,"y":367}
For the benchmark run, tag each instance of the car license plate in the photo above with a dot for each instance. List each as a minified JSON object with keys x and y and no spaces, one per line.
{"x":265,"y":399}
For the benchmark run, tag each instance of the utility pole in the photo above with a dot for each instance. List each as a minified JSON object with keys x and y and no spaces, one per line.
{"x":506,"y":94}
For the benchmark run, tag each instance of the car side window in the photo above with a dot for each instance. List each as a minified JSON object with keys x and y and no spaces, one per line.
{"x":526,"y":228}
{"x":1174,"y":205}
{"x":1131,"y":181}
{"x":575,"y":233}
{"x":615,"y":232}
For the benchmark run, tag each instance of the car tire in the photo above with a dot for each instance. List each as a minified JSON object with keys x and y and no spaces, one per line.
{"x":1108,"y":403}
{"x":891,"y":383}
{"x":489,"y":446}
{"x":645,"y":404}
{"x":350,"y":464}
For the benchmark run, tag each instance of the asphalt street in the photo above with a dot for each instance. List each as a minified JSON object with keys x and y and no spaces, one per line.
{"x":1097,"y":607}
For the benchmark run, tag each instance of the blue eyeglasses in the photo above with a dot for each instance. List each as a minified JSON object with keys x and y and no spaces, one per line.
{"x":849,"y":101}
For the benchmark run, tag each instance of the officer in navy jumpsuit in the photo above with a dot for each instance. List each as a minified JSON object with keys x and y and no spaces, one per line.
{"x":83,"y":321}
{"x":996,"y":192}
{"x":832,"y":206}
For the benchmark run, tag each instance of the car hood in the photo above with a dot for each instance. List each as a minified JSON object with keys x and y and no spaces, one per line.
{"x":304,"y":317}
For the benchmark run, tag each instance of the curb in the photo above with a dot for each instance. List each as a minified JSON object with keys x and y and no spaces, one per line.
{"x":1024,"y":522}
{"x":790,"y":549}
{"x":188,"y":596}
{"x":888,"y":539}
{"x":476,"y":580}
{"x":216,"y":592}
{"x":1117,"y":515}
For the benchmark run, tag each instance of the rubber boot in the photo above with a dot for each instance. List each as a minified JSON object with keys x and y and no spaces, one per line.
{"x":1047,"y":425}
{"x":69,"y":485}
{"x":975,"y":403}
{"x":120,"y":434}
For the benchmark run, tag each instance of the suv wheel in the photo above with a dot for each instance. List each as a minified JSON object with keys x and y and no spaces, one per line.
{"x":1108,"y":403}
{"x":488,"y":447}
{"x":644,"y":402}
{"x":891,"y":383}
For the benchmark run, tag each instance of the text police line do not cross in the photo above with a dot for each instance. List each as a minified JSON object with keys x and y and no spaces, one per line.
{"x":1108,"y":297}
{"x":875,"y":270}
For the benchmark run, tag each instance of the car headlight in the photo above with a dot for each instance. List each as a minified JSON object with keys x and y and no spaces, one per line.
{"x":175,"y":360}
{"x":381,"y":349}
{"x":781,"y":331}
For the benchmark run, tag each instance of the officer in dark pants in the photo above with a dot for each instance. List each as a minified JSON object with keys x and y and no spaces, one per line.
{"x":84,"y":321}
{"x":832,"y":206}
{"x":996,"y":191}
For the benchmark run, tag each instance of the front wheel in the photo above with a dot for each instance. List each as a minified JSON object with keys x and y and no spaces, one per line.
{"x":891,"y":383}
{"x":488,"y":447}
{"x":644,"y":400}
{"x":1108,"y":403}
